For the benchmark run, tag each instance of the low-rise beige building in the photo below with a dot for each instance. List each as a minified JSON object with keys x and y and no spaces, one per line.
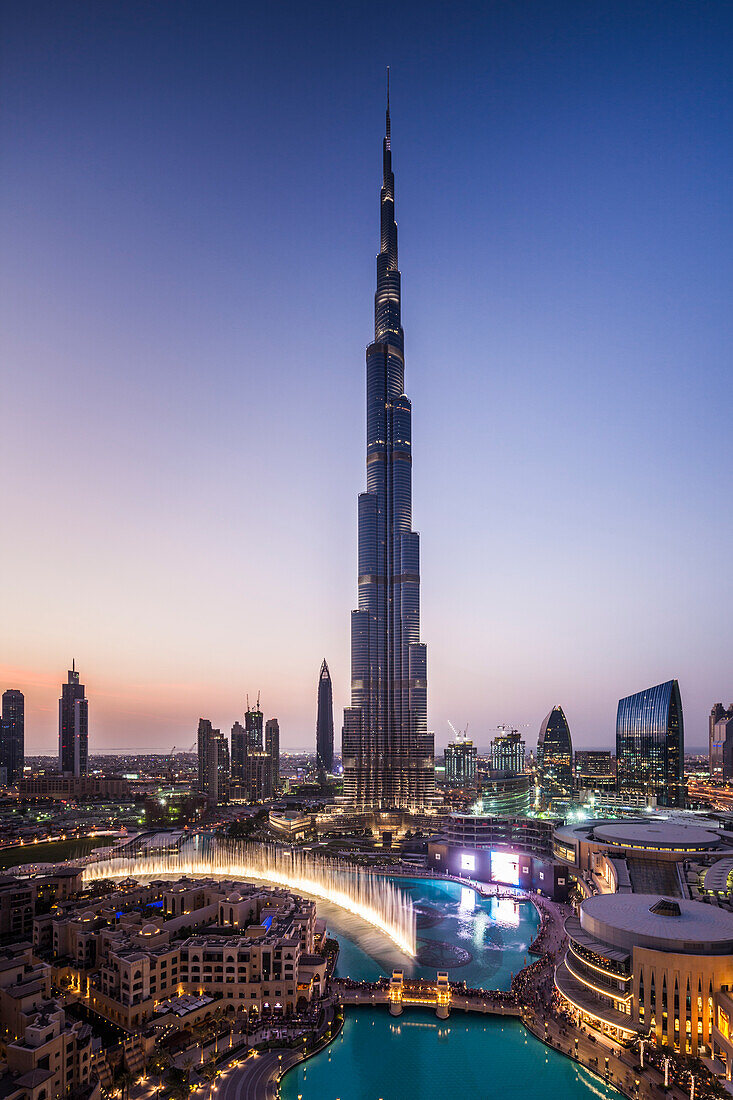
{"x":253,"y":948}
{"x":643,"y":964}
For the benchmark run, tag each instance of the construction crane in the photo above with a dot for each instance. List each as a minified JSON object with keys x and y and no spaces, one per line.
{"x":459,"y":736}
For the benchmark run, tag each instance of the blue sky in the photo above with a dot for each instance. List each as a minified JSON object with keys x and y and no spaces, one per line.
{"x":189,"y":208}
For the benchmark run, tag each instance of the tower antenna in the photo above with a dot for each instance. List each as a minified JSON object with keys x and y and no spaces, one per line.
{"x":388,"y":89}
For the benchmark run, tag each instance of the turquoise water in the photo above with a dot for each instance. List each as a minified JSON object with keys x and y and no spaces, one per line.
{"x":417,"y":1057}
{"x":491,"y":936}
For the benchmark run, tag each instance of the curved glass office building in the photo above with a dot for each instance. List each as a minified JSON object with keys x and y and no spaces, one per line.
{"x":555,"y":757}
{"x":650,"y":745}
{"x":505,"y":794}
{"x":386,"y":748}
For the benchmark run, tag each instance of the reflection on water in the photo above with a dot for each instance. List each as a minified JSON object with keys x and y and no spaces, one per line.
{"x":489,"y":936}
{"x":507,"y":912}
{"x":468,"y":900}
{"x":421,"y":1058}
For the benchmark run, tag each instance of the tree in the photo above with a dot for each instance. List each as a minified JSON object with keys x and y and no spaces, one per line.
{"x":179,"y":1080}
{"x":160,"y":1061}
{"x":218,"y":1017}
{"x":209,"y":1072}
{"x":126,"y":1078}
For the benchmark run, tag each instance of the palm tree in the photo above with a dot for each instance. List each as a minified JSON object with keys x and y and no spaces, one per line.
{"x":218,"y":1016}
{"x":209,"y":1073}
{"x":126,"y":1079}
{"x":160,"y":1061}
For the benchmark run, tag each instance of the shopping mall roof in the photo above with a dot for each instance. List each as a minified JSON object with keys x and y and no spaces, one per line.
{"x":716,"y":879}
{"x":629,"y":920}
{"x":656,"y":835}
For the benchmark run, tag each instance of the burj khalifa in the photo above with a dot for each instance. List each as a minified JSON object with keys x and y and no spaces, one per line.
{"x":388,"y":753}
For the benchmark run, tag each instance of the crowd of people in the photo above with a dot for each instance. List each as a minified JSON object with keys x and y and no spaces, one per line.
{"x":540,"y":943}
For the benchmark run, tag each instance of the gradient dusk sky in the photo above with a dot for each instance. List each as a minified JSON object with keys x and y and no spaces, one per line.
{"x":189,"y":203}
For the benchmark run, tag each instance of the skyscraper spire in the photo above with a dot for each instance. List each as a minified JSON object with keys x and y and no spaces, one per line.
{"x":387,"y":750}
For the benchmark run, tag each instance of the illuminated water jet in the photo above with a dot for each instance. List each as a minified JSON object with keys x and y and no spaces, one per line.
{"x":372,"y":898}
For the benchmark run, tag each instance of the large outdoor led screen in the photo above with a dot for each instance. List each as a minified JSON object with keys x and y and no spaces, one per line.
{"x":468,"y":862}
{"x":505,"y":868}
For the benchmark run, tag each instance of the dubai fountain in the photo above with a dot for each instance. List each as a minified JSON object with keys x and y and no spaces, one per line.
{"x":368,"y":896}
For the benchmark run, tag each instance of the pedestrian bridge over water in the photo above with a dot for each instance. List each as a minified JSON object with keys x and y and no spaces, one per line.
{"x":399,"y":992}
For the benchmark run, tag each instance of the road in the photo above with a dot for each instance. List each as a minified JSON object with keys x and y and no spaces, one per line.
{"x":256,"y":1079}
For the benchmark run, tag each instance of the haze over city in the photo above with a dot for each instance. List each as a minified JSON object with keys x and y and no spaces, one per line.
{"x":188,"y":207}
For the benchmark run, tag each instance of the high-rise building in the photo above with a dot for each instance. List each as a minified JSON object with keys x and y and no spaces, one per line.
{"x":253,"y":724}
{"x":255,"y":771}
{"x":508,"y":751}
{"x":239,"y":750}
{"x":460,"y":763}
{"x":73,"y":727}
{"x":386,"y":747}
{"x":555,"y":758}
{"x":12,"y":736}
{"x":721,"y":742}
{"x":324,"y":722}
{"x":272,"y":748}
{"x":205,"y":733}
{"x":650,"y":745}
{"x":213,"y":763}
{"x":594,"y":770}
{"x":218,"y":769}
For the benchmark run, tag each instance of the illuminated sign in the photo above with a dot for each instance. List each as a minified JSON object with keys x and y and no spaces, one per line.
{"x":468,"y":862}
{"x":505,"y":868}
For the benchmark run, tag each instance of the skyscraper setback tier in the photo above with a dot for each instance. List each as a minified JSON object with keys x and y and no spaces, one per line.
{"x":386,"y":747}
{"x":73,"y":727}
{"x":324,"y":721}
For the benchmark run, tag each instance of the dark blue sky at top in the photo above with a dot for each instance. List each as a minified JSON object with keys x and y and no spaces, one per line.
{"x":189,"y":204}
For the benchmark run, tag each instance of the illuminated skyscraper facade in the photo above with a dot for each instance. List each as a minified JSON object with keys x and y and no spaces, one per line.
{"x":255,"y":770}
{"x":213,"y":763}
{"x":460,"y":764}
{"x":650,"y":745}
{"x":508,"y":751}
{"x":272,"y":748}
{"x":238,"y":752}
{"x":386,"y":747}
{"x":253,"y":724}
{"x":324,"y":722}
{"x":555,"y":758}
{"x":594,"y":770}
{"x":73,"y":727}
{"x":12,"y":736}
{"x":721,"y":742}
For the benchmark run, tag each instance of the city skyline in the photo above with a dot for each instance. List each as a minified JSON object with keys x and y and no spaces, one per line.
{"x":564,"y":202}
